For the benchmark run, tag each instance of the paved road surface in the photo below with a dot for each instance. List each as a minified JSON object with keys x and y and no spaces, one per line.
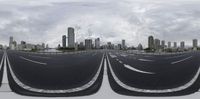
{"x":1,"y":66}
{"x":153,"y":74}
{"x":54,"y":74}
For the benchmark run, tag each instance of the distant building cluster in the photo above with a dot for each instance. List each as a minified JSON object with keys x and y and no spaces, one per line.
{"x":121,"y":46}
{"x":87,"y":44}
{"x":69,"y":43}
{"x":25,"y":46}
{"x":157,"y":45}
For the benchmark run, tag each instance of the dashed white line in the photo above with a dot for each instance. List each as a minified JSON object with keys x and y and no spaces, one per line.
{"x":181,"y":60}
{"x":40,"y":57}
{"x":174,"y":57}
{"x":145,"y":60}
{"x":137,"y":70}
{"x":113,"y":56}
{"x":120,"y":62}
{"x":124,"y":55}
{"x":32,"y":61}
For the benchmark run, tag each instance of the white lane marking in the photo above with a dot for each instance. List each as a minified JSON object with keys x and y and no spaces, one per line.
{"x":77,"y":89}
{"x":174,"y":57}
{"x":39,"y":56}
{"x":117,"y":59}
{"x":94,"y":54}
{"x":120,"y":62}
{"x":113,"y":56}
{"x":124,"y":55}
{"x":137,"y":70}
{"x":148,"y":56}
{"x":2,"y":60}
{"x":181,"y":60}
{"x":32,"y":61}
{"x":5,"y":84}
{"x":145,"y":60}
{"x":176,"y":89}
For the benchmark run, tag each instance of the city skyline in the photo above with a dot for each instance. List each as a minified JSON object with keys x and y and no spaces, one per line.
{"x":132,"y":20}
{"x":153,"y":43}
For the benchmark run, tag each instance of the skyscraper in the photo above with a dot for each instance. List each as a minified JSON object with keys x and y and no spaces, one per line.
{"x":109,"y":45}
{"x":169,"y":44}
{"x":175,"y":44}
{"x":123,"y":44}
{"x":11,"y":41}
{"x":151,"y":42}
{"x":195,"y":43}
{"x":64,"y":41}
{"x":140,"y":47}
{"x":97,"y":43}
{"x":182,"y":45}
{"x":157,"y":44}
{"x":71,"y":37}
{"x":88,"y":43}
{"x":163,"y":44}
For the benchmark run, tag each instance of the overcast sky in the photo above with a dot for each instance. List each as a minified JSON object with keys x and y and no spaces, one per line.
{"x":37,"y":21}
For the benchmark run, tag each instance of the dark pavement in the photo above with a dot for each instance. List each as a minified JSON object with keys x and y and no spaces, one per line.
{"x":154,"y":73}
{"x":1,"y":66}
{"x":55,"y":71}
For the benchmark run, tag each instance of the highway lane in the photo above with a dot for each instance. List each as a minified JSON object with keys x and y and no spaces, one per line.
{"x":155,"y":73}
{"x":55,"y":73}
{"x":1,"y":65}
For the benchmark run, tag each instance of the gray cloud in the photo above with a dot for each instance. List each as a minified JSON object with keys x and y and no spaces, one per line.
{"x":111,"y":20}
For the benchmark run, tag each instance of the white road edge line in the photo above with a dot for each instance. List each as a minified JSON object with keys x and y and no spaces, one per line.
{"x":84,"y":87}
{"x":137,"y":70}
{"x":32,"y":60}
{"x":5,"y":87}
{"x":181,"y":60}
{"x":2,"y":61}
{"x":120,"y":83}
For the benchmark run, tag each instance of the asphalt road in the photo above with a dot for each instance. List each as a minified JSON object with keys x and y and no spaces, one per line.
{"x":153,"y":74}
{"x":1,"y":66}
{"x":54,"y":74}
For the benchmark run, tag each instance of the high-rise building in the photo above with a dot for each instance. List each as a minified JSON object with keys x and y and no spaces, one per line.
{"x":81,"y":45}
{"x":71,"y":37}
{"x":11,"y":41}
{"x":43,"y":45}
{"x":169,"y":44}
{"x":88,"y":43}
{"x":157,"y":44}
{"x":47,"y":46}
{"x":151,"y":42}
{"x":175,"y":44}
{"x":109,"y":45}
{"x":140,"y":47}
{"x":163,"y":44}
{"x":119,"y":46}
{"x":23,"y":45}
{"x":97,"y":43}
{"x":182,"y":44}
{"x":123,"y":44}
{"x":64,"y":41}
{"x":195,"y":43}
{"x":59,"y":46}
